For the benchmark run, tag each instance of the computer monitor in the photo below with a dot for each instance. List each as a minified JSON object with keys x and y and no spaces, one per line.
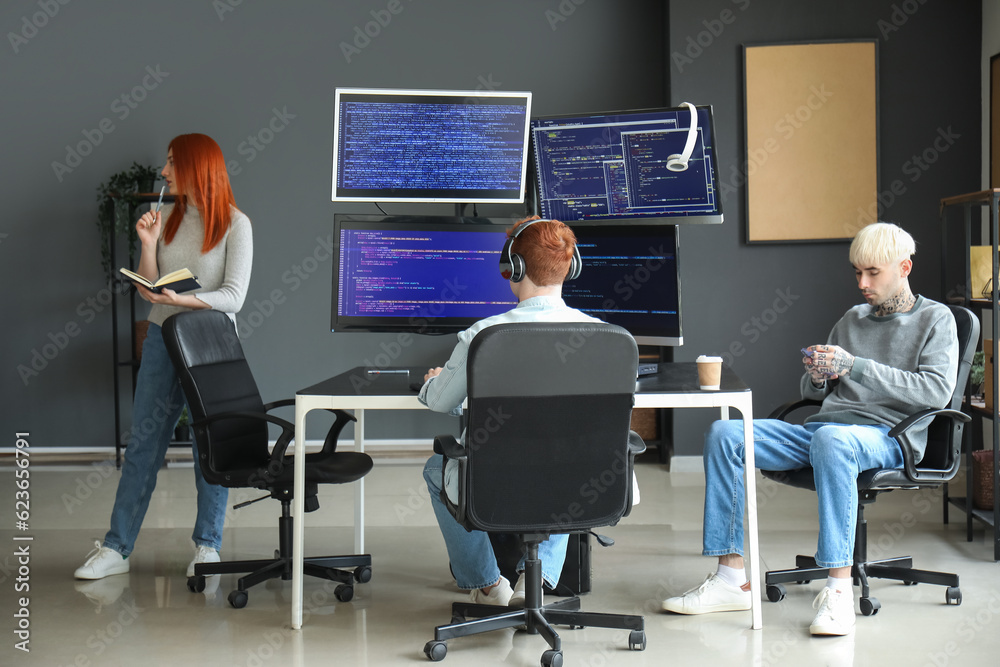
{"x":436,"y":274}
{"x":448,"y":146}
{"x":651,"y":166}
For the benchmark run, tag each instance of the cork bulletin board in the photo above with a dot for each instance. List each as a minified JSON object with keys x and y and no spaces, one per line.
{"x":811,"y":121}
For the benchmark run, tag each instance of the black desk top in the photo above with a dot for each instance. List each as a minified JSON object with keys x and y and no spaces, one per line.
{"x":360,"y":382}
{"x":677,"y":377}
{"x":682,"y":377}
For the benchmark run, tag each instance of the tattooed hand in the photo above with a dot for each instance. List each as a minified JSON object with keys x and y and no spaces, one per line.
{"x":830,"y":362}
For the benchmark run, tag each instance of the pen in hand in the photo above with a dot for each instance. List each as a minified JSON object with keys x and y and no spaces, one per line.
{"x":159,"y":203}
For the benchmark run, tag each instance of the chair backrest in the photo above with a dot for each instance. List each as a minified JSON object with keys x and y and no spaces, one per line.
{"x":216,"y":379}
{"x":549,"y":406}
{"x":944,"y":435}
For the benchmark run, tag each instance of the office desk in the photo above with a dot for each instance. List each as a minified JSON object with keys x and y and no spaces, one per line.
{"x":675,"y":386}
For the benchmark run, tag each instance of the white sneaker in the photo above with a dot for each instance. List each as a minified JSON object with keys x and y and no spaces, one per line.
{"x":517,"y":599}
{"x":499,"y":595}
{"x":203,"y":555}
{"x":102,"y":562}
{"x":712,"y":595}
{"x":836,"y":612}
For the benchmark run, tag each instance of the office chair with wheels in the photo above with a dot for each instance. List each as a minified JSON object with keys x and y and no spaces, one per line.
{"x":940,"y":464}
{"x":230,"y":427}
{"x":547,"y":450}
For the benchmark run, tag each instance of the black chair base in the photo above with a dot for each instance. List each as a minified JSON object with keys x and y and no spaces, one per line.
{"x":535,"y":617}
{"x":280,"y":567}
{"x":897,"y":569}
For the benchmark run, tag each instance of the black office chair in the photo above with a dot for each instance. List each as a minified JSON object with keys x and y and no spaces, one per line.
{"x":940,"y":464}
{"x":547,"y":450}
{"x":230,"y":426}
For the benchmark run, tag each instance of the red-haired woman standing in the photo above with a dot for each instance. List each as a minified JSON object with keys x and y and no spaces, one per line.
{"x":204,"y":232}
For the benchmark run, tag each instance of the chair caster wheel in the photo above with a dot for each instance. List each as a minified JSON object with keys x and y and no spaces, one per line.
{"x":552,"y":658}
{"x":344,"y":593}
{"x":953,"y":595}
{"x":196,"y":583}
{"x":637,"y":640}
{"x":238,"y":599}
{"x":435,"y":650}
{"x":775,"y":592}
{"x":870,"y":606}
{"x":909,"y":583}
{"x":363,"y":574}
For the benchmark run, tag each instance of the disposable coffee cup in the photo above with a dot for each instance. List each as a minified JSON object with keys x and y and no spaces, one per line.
{"x":709,"y":372}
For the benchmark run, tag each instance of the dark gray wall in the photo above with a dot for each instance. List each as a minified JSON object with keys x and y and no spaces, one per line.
{"x":227,"y":74}
{"x":767,"y":301}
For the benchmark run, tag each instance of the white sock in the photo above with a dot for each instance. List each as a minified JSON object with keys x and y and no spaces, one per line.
{"x":842,"y":585}
{"x":731,"y":575}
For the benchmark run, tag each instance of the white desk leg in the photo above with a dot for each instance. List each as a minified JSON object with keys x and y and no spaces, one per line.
{"x":298,"y":511}
{"x":359,"y":486}
{"x":751,"y":502}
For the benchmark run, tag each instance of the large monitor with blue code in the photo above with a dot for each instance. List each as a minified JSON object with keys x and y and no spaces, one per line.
{"x":436,"y":274}
{"x":447,"y":146}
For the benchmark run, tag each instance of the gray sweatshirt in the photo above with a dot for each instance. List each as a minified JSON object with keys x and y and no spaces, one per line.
{"x":223,"y":271}
{"x":903,"y":362}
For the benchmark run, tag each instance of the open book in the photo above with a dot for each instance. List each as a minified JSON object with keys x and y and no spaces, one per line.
{"x":181,"y":280}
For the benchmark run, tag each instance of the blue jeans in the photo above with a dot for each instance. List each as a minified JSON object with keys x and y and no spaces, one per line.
{"x":156,"y":408}
{"x":837,"y":453}
{"x":472,"y":559}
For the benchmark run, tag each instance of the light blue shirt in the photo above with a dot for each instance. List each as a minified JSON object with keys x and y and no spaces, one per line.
{"x":447,"y":391}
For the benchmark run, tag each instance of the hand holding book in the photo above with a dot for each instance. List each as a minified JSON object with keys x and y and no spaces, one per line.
{"x":181,"y":280}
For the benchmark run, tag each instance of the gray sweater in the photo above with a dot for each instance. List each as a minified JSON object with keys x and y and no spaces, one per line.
{"x":224,"y":271}
{"x":903,"y":362}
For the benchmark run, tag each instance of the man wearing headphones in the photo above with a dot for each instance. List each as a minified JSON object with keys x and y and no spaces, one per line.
{"x":537,"y":257}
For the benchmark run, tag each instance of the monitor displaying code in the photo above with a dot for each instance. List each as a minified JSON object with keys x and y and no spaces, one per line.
{"x":440,"y":146}
{"x":601,"y":168}
{"x":431,"y":274}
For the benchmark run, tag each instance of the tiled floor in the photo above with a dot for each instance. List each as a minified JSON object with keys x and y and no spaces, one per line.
{"x":149,"y":617}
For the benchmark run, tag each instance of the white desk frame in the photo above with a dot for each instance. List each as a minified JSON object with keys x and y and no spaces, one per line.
{"x":739,"y":400}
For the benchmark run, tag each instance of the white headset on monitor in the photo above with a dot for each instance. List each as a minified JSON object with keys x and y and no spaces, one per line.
{"x":679,"y":162}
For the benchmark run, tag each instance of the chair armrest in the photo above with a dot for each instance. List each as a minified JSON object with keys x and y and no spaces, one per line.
{"x":636,"y":445}
{"x":899,"y":433}
{"x":330,"y":442}
{"x":276,"y":464}
{"x":449,"y":447}
{"x":285,"y":402}
{"x":785,"y":409}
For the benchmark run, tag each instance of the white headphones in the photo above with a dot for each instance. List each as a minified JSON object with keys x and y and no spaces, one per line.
{"x":680,"y":162}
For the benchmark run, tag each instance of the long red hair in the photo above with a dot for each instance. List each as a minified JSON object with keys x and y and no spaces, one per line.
{"x":201,"y":178}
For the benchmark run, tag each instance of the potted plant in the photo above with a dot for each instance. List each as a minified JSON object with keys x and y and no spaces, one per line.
{"x":116,"y":201}
{"x":977,"y":374}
